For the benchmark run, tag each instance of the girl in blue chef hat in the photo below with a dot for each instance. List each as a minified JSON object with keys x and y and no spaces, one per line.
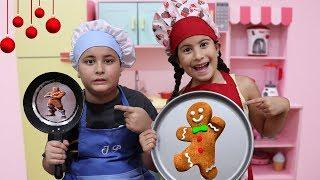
{"x":105,"y":143}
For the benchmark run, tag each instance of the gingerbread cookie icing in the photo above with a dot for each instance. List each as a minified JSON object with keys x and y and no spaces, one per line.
{"x":203,"y":134}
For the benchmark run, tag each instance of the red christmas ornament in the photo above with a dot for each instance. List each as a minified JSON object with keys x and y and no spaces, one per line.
{"x":39,"y":12}
{"x":17,"y":21}
{"x":7,"y":45}
{"x":31,"y":32}
{"x":53,"y":25}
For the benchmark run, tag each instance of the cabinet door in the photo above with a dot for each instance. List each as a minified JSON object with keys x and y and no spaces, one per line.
{"x":122,"y":15}
{"x":145,"y":13}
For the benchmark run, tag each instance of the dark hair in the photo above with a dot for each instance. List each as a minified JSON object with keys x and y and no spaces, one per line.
{"x":178,"y":71}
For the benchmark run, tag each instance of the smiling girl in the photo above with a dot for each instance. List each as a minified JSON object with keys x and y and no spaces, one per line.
{"x":191,"y":38}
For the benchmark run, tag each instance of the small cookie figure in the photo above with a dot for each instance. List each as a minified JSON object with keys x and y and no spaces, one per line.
{"x":203,"y":134}
{"x":54,"y":102}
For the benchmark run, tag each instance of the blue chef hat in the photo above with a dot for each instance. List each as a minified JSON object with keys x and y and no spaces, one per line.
{"x":101,"y":33}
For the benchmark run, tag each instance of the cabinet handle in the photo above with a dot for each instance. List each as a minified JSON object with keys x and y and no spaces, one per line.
{"x":143,"y":23}
{"x":133,"y":24}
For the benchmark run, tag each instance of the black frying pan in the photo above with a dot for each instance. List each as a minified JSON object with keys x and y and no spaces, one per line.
{"x":53,"y":104}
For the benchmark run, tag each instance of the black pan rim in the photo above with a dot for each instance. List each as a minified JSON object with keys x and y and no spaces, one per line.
{"x":28,"y":97}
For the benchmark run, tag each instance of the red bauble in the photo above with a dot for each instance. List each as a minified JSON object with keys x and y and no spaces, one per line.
{"x":7,"y":45}
{"x":31,"y":32}
{"x":17,"y":21}
{"x":39,"y":12}
{"x":53,"y":25}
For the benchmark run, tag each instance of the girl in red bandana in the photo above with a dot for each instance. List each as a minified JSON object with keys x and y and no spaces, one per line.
{"x":192,"y":43}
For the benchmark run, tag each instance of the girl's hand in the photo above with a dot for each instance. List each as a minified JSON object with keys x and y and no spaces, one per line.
{"x":136,"y":118}
{"x":270,"y":106}
{"x":148,"y":140}
{"x":55,"y":152}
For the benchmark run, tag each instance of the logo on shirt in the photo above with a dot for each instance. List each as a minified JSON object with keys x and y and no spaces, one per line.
{"x":114,"y":148}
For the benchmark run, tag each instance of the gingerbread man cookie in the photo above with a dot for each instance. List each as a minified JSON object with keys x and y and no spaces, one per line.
{"x":203,"y":134}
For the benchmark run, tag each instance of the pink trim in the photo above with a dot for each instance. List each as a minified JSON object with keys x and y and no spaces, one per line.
{"x":91,"y":10}
{"x":212,"y":8}
{"x":265,"y":15}
{"x":286,"y":15}
{"x":245,"y":15}
{"x":64,"y":57}
{"x":268,"y":14}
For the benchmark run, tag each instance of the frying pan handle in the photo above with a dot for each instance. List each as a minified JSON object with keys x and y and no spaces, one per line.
{"x":58,"y":173}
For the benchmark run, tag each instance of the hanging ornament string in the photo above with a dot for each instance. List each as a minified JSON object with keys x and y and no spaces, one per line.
{"x":53,"y":7}
{"x":31,"y":11}
{"x":31,"y":32}
{"x":39,"y":12}
{"x":7,"y":45}
{"x":7,"y":17}
{"x":17,"y":21}
{"x":53,"y":25}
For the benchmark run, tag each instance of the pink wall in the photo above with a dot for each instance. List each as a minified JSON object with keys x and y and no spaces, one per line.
{"x":302,"y":82}
{"x":11,"y":139}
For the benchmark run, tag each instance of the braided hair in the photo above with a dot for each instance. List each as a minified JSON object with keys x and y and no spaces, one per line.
{"x":178,"y":71}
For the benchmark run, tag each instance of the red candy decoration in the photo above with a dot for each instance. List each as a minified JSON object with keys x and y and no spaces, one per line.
{"x":17,"y":21}
{"x":31,"y":32}
{"x":39,"y":12}
{"x":53,"y":25}
{"x":199,"y":138}
{"x":7,"y":45}
{"x":200,"y":150}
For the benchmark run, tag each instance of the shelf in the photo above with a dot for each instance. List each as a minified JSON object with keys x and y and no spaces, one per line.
{"x":266,"y":172}
{"x":274,"y":143}
{"x":64,"y":56}
{"x":143,"y":1}
{"x":273,"y":58}
{"x":149,"y":47}
{"x":296,"y":106}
